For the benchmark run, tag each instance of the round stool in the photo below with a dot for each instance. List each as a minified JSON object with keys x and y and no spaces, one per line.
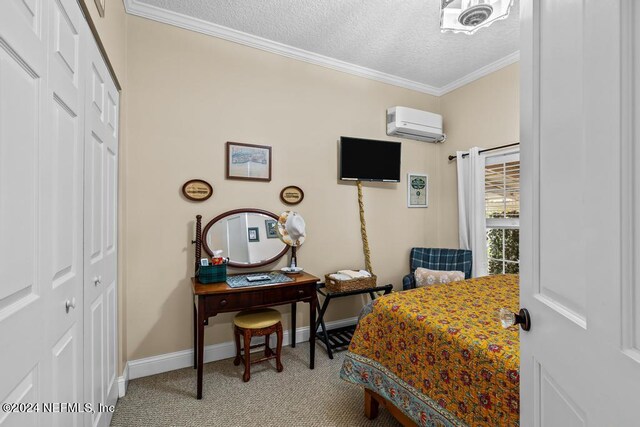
{"x":256,"y":323}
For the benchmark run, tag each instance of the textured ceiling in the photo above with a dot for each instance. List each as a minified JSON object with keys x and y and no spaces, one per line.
{"x":401,"y":38}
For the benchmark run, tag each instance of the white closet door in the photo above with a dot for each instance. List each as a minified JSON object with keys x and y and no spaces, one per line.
{"x":100,"y":232}
{"x":22,"y":139}
{"x":61,"y":213}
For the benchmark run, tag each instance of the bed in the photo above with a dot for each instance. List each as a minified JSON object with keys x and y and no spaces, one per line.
{"x":438,"y":355}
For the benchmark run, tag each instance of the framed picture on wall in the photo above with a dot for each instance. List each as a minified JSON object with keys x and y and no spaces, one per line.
{"x":270,"y":225}
{"x":254,"y":234}
{"x":417,"y":190}
{"x":248,"y":161}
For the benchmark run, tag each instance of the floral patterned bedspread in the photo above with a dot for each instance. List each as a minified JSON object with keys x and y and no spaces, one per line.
{"x":440,"y":354}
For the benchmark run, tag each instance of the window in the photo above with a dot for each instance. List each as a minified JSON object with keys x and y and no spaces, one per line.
{"x":502,"y":202}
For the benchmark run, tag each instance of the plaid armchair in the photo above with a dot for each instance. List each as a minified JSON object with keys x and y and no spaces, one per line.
{"x":437,"y":259}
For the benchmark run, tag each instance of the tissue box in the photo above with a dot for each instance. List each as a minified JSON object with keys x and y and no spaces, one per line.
{"x":212,"y":273}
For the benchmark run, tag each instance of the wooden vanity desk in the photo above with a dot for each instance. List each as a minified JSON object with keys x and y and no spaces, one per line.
{"x":213,"y":298}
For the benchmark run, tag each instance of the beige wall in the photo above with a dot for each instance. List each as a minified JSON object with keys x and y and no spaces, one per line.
{"x":187,"y":95}
{"x":484,"y":113}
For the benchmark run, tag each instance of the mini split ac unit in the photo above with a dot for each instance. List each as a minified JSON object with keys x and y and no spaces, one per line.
{"x":408,"y":123}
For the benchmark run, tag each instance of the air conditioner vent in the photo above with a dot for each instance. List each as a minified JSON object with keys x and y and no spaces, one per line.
{"x":415,"y":124}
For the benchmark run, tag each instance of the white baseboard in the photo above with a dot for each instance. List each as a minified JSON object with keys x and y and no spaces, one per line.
{"x":123,"y":381}
{"x":182,"y":359}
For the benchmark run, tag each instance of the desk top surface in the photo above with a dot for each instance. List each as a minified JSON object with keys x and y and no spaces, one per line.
{"x":222,"y":287}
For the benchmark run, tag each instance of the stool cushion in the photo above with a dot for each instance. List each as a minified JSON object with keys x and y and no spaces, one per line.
{"x":257,"y":319}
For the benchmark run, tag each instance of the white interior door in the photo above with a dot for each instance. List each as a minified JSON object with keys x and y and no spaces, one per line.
{"x":580,"y":362}
{"x":100,"y":232}
{"x":61,"y":211}
{"x":22,"y":137}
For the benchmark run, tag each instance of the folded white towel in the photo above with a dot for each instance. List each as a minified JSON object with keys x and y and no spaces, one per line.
{"x":355,"y":274}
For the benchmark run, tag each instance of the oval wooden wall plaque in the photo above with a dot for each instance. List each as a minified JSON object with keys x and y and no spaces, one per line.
{"x":291,"y":195}
{"x":197,"y":190}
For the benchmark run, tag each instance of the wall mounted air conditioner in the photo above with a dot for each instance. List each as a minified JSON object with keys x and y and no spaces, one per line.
{"x":408,"y":123}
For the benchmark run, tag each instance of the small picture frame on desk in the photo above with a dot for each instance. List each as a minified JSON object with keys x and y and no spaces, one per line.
{"x":204,"y":262}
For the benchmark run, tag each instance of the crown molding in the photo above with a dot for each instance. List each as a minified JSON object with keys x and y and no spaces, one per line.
{"x":481,"y":72}
{"x":154,"y":13}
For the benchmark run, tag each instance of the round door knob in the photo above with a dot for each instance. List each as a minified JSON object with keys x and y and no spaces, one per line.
{"x":97,"y":280}
{"x":507,"y":318}
{"x":69,"y":304}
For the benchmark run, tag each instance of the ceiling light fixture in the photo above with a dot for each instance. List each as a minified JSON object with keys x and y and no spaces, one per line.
{"x":468,"y":16}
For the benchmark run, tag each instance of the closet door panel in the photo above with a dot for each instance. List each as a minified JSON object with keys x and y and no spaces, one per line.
{"x":22,"y":87}
{"x":100,"y":198}
{"x":24,"y":392}
{"x":22,"y":29}
{"x":96,"y":184}
{"x":111,"y":339}
{"x":66,"y":360}
{"x":62,"y":212}
{"x":94,"y":260}
{"x":95,"y":361}
{"x":110,"y":239}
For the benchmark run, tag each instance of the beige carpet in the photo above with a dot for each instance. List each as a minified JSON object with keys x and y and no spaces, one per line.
{"x":297,"y":396}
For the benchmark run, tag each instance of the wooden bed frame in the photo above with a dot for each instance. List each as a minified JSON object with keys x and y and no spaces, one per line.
{"x":372,"y":403}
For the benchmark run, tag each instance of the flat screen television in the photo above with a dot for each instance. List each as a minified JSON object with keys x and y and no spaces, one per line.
{"x":369,"y":160}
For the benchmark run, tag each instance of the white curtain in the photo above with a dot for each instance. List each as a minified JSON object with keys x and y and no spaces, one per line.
{"x":471,"y":208}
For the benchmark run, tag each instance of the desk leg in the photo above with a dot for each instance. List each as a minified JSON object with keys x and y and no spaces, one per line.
{"x":312,"y":336}
{"x":293,"y":325}
{"x":200,"y":351}
{"x":195,"y":334}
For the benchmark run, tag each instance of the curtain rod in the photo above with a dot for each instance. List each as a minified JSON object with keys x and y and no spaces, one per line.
{"x":452,"y":157}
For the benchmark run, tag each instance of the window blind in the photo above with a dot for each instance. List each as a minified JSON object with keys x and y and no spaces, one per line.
{"x":502,"y":191}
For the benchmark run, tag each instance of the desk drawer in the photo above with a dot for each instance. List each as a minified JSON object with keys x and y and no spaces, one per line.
{"x":260,"y":297}
{"x":233,"y":302}
{"x":288,"y":294}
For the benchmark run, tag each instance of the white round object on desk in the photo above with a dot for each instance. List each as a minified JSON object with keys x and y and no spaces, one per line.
{"x":291,"y":270}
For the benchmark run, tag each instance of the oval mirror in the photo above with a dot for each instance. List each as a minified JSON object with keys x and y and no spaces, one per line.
{"x":247,"y":236}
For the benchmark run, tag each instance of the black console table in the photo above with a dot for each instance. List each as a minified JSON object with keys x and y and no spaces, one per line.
{"x":339,"y":338}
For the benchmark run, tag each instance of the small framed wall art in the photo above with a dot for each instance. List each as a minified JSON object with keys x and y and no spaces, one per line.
{"x":291,"y":195}
{"x":197,"y":190}
{"x":253,"y":234}
{"x":417,"y":190}
{"x":270,"y":225}
{"x":248,"y":161}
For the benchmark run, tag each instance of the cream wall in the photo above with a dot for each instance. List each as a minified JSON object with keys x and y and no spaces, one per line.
{"x":187,"y":95}
{"x":484,"y":113}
